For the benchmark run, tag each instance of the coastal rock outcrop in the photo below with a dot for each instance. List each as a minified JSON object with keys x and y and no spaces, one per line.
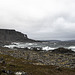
{"x":7,"y":35}
{"x":62,"y":50}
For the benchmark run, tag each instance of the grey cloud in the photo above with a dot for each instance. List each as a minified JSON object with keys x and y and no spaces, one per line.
{"x":39,"y":19}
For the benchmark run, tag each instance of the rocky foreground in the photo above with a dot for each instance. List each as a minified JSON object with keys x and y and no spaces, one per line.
{"x":60,"y":61}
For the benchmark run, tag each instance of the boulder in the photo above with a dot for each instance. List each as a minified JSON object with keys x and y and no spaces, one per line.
{"x":62,"y":50}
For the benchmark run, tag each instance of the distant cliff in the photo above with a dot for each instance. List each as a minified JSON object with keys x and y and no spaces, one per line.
{"x":7,"y":35}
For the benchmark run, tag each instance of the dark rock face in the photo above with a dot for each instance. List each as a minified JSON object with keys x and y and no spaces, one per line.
{"x":62,"y":50}
{"x":13,"y":36}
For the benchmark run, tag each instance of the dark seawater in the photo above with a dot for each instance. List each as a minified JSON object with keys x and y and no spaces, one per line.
{"x":44,"y":45}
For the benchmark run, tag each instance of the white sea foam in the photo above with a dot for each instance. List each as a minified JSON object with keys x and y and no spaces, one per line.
{"x":37,"y":45}
{"x":15,"y":43}
{"x":20,"y":45}
{"x":47,"y":48}
{"x":10,"y":46}
{"x":28,"y":45}
{"x":72,"y":47}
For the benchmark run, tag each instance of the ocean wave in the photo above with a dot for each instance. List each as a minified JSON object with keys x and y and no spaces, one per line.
{"x":47,"y":48}
{"x":44,"y":46}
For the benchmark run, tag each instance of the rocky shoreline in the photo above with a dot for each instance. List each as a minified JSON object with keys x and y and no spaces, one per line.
{"x":59,"y":57}
{"x":23,"y":60}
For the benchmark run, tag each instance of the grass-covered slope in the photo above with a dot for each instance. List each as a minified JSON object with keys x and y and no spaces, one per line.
{"x":20,"y":64}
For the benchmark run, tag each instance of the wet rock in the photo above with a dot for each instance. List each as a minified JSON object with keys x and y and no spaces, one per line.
{"x":62,"y":50}
{"x":4,"y":71}
{"x":9,"y":72}
{"x":58,"y":68}
{"x":2,"y":61}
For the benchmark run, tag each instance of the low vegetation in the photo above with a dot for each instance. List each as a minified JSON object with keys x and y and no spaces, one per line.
{"x":19,"y":64}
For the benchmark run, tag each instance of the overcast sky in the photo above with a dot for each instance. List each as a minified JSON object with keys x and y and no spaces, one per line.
{"x":40,"y":19}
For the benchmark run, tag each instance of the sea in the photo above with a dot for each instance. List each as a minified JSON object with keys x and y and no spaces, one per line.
{"x":51,"y":45}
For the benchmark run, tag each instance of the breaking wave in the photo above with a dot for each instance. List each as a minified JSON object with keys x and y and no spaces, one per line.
{"x":44,"y":46}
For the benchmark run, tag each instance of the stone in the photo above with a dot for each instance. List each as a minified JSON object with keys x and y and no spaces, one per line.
{"x":62,"y":50}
